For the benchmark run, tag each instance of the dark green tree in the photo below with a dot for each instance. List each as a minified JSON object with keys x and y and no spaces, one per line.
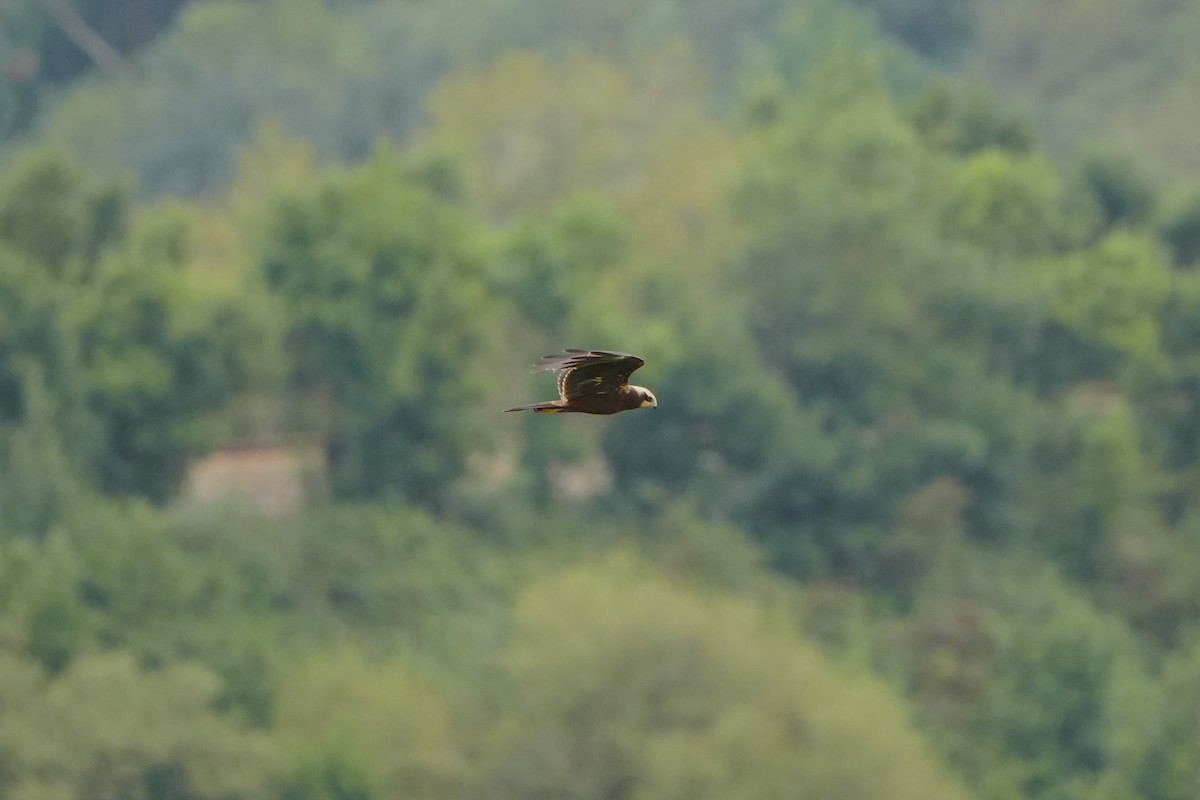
{"x":388,"y":324}
{"x":132,"y":347}
{"x":1124,"y":195}
{"x":1181,"y":230}
{"x":163,"y":349}
{"x":939,"y":29}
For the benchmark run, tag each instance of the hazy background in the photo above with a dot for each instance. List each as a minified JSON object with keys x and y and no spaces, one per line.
{"x":917,"y":286}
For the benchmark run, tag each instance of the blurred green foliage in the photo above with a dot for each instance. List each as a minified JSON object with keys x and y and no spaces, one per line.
{"x":387,"y":323}
{"x":919,"y":514}
{"x":106,"y":728}
{"x":114,"y":345}
{"x":620,"y":682}
{"x":1111,"y":72}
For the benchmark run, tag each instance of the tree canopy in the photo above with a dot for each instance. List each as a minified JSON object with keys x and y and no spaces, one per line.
{"x":917,"y":515}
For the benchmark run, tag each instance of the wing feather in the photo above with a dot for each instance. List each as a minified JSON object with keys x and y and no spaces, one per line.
{"x":590,"y":372}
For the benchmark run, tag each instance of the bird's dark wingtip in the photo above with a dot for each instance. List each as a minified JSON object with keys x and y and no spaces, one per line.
{"x":576,"y":356}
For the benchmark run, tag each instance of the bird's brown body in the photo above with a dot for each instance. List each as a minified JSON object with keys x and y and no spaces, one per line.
{"x":593,"y":382}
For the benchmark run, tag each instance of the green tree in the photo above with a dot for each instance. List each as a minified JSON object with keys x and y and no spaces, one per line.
{"x":935,"y":28}
{"x":106,"y":729}
{"x":389,"y":571}
{"x":1120,"y":75}
{"x":132,"y":347}
{"x":40,"y":485}
{"x":739,"y":447}
{"x":1124,"y":195}
{"x":831,"y":259}
{"x":1031,"y":690}
{"x":1114,"y":295}
{"x":52,"y":231}
{"x":531,"y":133}
{"x":1006,"y":203}
{"x":388,"y":325}
{"x":807,"y":36}
{"x":1170,"y":772}
{"x":969,"y":121}
{"x":620,"y":682}
{"x":164,"y":347}
{"x":201,"y":90}
{"x":360,"y":730}
{"x":857,"y":299}
{"x":1155,"y":569}
{"x":1181,"y":230}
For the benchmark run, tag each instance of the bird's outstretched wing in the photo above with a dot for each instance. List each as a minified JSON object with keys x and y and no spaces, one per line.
{"x":590,"y":372}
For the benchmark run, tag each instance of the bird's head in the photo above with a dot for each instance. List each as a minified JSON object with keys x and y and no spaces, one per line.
{"x":648,"y":398}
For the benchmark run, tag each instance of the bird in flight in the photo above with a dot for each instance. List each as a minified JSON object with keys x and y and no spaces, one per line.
{"x":593,"y":382}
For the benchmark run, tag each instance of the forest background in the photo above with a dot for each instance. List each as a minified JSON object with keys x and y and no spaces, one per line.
{"x":917,"y":286}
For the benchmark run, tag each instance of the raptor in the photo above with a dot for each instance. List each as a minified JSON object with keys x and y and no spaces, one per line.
{"x":593,"y":382}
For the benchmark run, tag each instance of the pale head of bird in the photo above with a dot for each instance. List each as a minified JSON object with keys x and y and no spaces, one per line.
{"x":648,"y":398}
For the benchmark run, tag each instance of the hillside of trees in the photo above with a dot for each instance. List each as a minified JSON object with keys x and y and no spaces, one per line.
{"x":918,"y":515}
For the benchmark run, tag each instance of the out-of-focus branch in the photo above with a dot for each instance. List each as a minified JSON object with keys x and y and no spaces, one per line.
{"x":102,"y":54}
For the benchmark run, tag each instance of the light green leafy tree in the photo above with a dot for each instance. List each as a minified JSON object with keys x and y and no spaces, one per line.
{"x":360,"y":729}
{"x":1115,"y":293}
{"x":621,"y":683}
{"x":106,"y":729}
{"x":1170,"y":772}
{"x":1006,"y":203}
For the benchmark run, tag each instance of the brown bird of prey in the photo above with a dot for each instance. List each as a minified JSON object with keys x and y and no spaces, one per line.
{"x":593,"y":382}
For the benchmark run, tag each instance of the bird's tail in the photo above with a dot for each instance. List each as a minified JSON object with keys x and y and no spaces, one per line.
{"x":547,"y":407}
